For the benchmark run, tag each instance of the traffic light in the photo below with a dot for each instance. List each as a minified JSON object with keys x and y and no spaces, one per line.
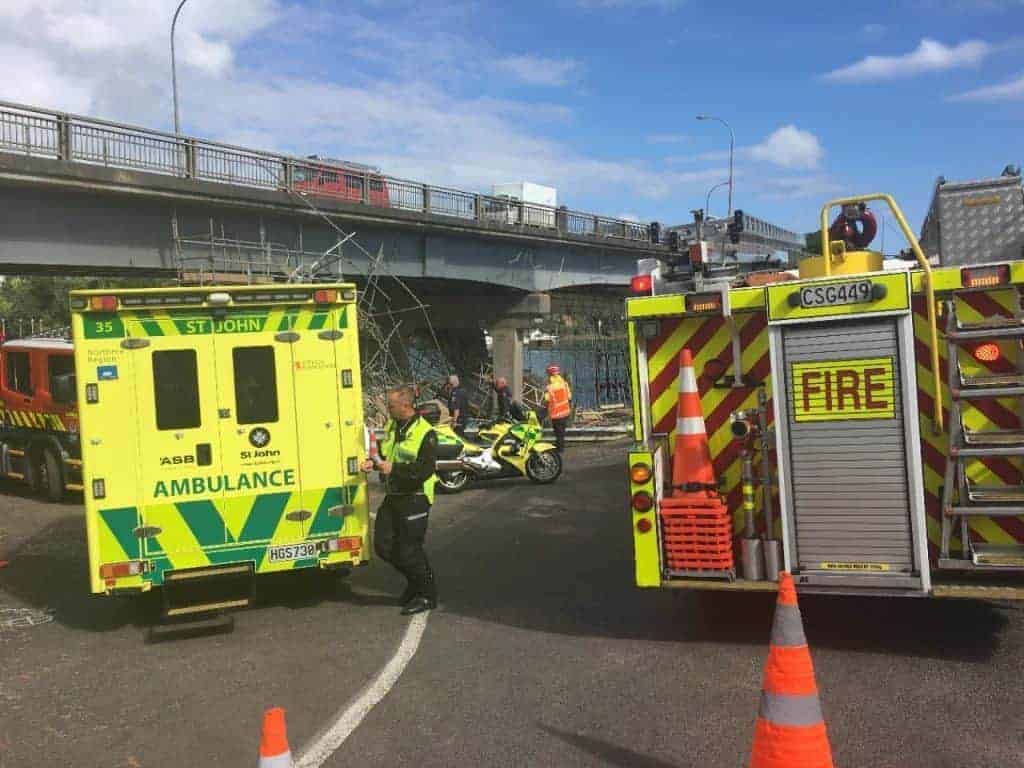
{"x":736,"y":227}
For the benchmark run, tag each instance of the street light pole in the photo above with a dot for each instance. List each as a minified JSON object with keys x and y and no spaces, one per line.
{"x":707,"y":201}
{"x":732,"y":149}
{"x":174,"y":69}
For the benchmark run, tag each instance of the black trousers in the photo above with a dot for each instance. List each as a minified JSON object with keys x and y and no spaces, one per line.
{"x":559,"y":426}
{"x":398,"y":537}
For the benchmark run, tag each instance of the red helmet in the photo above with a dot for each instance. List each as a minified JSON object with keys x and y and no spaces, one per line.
{"x":554,"y":370}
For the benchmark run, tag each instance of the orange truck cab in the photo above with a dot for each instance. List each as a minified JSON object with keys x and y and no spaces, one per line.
{"x":39,"y":442}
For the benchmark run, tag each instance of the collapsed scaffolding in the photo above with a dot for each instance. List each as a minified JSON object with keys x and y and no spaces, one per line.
{"x":387,"y":350}
{"x":399,"y":344}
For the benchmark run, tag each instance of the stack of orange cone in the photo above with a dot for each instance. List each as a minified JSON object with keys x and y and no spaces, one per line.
{"x":696,"y":524}
{"x":790,"y":730}
{"x":274,"y":750}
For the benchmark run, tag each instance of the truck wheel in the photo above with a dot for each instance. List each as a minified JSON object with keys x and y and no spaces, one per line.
{"x":48,"y":476}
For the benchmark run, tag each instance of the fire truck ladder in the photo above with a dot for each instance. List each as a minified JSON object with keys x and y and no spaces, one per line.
{"x":966,"y":444}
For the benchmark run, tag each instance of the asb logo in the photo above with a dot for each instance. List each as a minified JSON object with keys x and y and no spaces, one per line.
{"x":259,"y":437}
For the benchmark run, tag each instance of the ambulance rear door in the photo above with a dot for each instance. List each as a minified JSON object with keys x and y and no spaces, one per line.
{"x":316,"y":382}
{"x":180,"y":460}
{"x":263,"y":509}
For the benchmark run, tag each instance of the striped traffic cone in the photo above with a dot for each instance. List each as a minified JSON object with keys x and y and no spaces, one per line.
{"x":693,"y":477}
{"x":790,"y":730}
{"x":274,"y":750}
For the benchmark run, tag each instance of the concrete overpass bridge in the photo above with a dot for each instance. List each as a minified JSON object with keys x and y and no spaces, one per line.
{"x":80,"y":194}
{"x":87,"y":196}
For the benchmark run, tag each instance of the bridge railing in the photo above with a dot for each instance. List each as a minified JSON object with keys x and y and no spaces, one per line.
{"x":30,"y":131}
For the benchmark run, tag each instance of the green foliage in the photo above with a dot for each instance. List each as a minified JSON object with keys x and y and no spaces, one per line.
{"x":26,"y":302}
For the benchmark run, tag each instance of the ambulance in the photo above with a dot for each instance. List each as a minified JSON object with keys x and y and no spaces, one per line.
{"x":221,"y":432}
{"x":863,"y":422}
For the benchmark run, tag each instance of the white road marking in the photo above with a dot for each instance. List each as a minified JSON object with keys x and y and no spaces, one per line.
{"x":327,"y":742}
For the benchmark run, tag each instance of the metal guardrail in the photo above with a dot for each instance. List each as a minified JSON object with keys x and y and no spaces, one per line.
{"x":36,"y":132}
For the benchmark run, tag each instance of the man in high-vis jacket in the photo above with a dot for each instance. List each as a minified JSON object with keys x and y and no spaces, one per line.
{"x":558,"y":396}
{"x":408,"y":454}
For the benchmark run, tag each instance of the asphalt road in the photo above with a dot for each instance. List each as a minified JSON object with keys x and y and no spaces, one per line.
{"x":542,"y":654}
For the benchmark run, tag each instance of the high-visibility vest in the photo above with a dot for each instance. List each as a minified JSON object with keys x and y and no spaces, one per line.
{"x":406,"y":450}
{"x":558,"y":398}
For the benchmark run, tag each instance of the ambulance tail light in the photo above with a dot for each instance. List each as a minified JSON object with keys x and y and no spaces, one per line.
{"x":704,"y":303}
{"x":641,"y":285}
{"x":643,"y":525}
{"x":640,"y":473}
{"x":324,"y":296}
{"x":642,"y":501}
{"x":344,"y":544}
{"x":985,"y":277}
{"x":988,"y":352}
{"x":103,"y":303}
{"x":122,"y":570}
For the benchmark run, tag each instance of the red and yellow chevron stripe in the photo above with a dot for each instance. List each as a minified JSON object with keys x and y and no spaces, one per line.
{"x":710,"y":339}
{"x":33,"y":420}
{"x":977,"y":415}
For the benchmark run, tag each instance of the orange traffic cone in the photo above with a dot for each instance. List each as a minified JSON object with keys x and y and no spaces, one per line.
{"x":274,"y":750}
{"x":790,"y":731}
{"x":693,"y":477}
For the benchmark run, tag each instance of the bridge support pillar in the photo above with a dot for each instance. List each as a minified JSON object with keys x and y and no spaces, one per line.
{"x":508,"y":356}
{"x":507,"y":334}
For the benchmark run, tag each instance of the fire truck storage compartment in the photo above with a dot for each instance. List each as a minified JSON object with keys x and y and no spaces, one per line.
{"x":848,"y":450}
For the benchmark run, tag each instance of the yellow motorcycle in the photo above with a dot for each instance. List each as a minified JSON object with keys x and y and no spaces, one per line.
{"x":504,"y":449}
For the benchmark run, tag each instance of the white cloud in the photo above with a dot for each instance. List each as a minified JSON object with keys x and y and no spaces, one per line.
{"x":538,"y":70}
{"x":929,"y":56}
{"x":400,"y":104}
{"x":628,"y":217}
{"x":790,"y":147}
{"x":873,"y":31}
{"x":1011,"y":91}
{"x":667,"y":138}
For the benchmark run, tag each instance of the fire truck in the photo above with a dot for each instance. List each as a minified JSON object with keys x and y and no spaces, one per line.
{"x":39,"y":442}
{"x":863,"y":421}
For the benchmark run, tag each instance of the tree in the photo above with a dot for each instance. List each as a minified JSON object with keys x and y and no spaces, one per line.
{"x":32,"y":303}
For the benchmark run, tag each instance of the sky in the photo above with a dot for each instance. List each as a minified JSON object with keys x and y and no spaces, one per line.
{"x":597,"y":98}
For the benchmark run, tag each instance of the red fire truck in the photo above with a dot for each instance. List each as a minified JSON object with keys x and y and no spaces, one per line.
{"x":352,"y":182}
{"x":39,"y":416}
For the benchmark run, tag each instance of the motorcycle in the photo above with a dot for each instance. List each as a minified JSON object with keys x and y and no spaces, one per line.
{"x":503,"y":449}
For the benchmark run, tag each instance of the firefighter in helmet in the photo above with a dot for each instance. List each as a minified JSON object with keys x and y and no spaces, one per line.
{"x":558,"y":397}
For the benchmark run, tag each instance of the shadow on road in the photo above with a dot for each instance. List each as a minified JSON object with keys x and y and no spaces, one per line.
{"x":49,"y":570}
{"x":609,"y":754}
{"x":559,"y":559}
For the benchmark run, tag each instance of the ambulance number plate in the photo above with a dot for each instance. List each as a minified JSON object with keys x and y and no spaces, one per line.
{"x":837,"y":294}
{"x":289,"y":552}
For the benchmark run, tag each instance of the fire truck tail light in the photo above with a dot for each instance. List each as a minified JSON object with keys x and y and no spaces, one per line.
{"x":122,"y":570}
{"x":988,"y":352}
{"x":324,"y":296}
{"x":985,"y":277}
{"x":704,"y":302}
{"x":640,"y":473}
{"x":103,"y":303}
{"x":641,"y":285}
{"x":642,"y":501}
{"x":643,"y":525}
